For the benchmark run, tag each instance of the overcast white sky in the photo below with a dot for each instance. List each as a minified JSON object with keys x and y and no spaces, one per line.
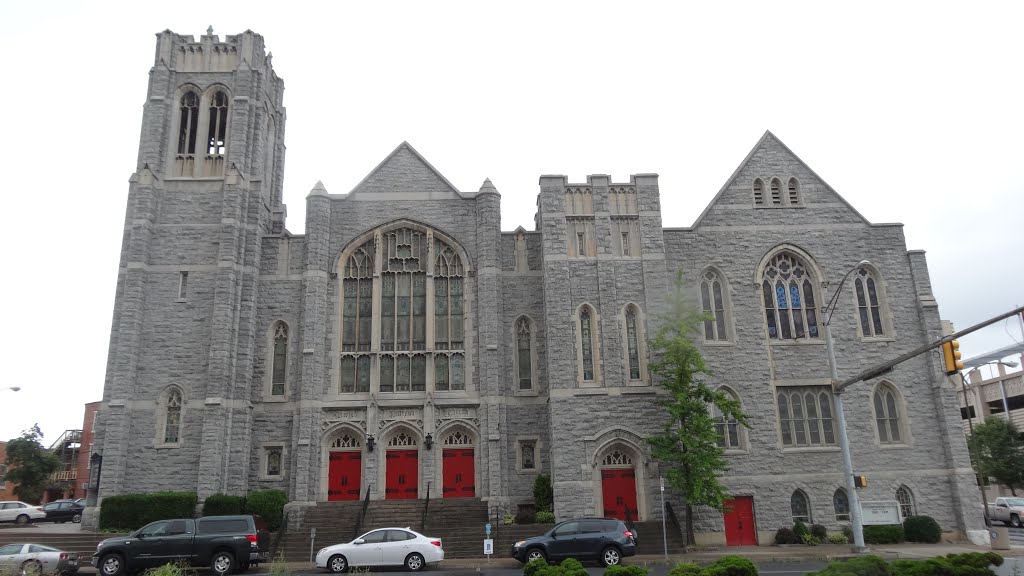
{"x":910,"y":110}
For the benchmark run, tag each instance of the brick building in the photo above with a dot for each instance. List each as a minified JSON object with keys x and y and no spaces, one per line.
{"x":404,"y":341}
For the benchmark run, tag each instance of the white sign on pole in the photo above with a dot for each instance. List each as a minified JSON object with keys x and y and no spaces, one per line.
{"x":488,"y":547}
{"x":880,"y":512}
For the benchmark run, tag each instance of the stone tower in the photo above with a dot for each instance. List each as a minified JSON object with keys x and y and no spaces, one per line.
{"x":206,"y":189}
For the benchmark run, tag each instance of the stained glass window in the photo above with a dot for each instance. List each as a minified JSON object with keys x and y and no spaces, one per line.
{"x":841,"y":504}
{"x":866,"y":288}
{"x":805,"y":416}
{"x":172,"y":417}
{"x":713,"y":304}
{"x":789,"y":299}
{"x":280,"y":362}
{"x":633,"y":348}
{"x":524,"y":354}
{"x":800,"y":507}
{"x":887,"y":418}
{"x":587,"y":344}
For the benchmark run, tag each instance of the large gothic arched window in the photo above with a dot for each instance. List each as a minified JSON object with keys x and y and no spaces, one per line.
{"x":403,"y":329}
{"x":789,"y":305}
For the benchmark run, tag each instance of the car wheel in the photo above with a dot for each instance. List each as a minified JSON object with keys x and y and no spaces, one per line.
{"x":535,"y":554}
{"x":77,"y":518}
{"x":337,"y":564}
{"x":414,"y":562}
{"x":222,"y":563}
{"x":1015,"y":521}
{"x":611,"y":556}
{"x":31,"y":568}
{"x":22,"y":520}
{"x":112,"y":565}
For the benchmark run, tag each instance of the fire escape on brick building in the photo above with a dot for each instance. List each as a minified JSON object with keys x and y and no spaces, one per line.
{"x":62,"y":482}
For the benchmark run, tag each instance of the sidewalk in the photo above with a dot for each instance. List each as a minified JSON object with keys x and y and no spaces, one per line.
{"x":758,"y":554}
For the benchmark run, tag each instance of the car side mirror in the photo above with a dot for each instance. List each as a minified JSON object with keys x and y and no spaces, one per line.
{"x":141,"y":535}
{"x":359,"y":541}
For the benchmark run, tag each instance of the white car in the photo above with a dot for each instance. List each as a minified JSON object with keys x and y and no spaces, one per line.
{"x":383,"y":547}
{"x":36,"y":559}
{"x":20,"y":513}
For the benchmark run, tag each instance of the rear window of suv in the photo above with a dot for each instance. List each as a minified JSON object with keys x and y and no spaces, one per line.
{"x":223,"y":526}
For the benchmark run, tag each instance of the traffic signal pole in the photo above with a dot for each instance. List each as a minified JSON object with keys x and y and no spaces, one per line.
{"x":887,"y":367}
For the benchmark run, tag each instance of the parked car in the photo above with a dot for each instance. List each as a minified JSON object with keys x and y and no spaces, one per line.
{"x":63,"y":511}
{"x":383,"y":547}
{"x":223,"y":543}
{"x":20,"y":513}
{"x":81,"y":502}
{"x":1009,"y":511}
{"x":606,"y":540}
{"x":34,"y":559}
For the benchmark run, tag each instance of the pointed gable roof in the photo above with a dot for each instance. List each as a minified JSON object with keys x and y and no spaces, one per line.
{"x":770,"y":152}
{"x":404,"y":175}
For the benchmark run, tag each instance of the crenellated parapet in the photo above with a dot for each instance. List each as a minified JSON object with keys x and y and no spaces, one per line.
{"x":182,"y":53}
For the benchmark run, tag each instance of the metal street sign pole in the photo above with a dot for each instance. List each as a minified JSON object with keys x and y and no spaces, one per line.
{"x":664,"y":534}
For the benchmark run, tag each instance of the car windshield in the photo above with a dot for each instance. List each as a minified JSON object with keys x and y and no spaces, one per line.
{"x":1015,"y":501}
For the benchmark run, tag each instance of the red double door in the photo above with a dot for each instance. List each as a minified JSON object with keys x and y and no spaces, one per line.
{"x":458,"y":473}
{"x":343,"y":475}
{"x":402,"y":474}
{"x":739,"y":522}
{"x":618,"y":491}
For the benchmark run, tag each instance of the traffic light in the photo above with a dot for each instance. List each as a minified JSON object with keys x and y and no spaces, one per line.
{"x":860,"y":481}
{"x":951,"y":357}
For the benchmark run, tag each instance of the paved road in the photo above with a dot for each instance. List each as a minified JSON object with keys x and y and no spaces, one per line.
{"x":768,"y":569}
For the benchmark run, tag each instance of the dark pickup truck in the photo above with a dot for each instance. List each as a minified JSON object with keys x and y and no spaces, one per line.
{"x":223,"y":543}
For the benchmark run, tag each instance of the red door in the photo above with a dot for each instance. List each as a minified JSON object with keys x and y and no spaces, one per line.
{"x":402,"y":474}
{"x":739,"y":522}
{"x":343,"y":475}
{"x":618,"y":489}
{"x":458,"y":473}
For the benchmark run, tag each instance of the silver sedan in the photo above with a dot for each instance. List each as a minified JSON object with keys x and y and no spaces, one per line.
{"x":36,"y":559}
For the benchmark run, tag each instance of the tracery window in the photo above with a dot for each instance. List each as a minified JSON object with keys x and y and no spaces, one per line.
{"x":712,"y":299}
{"x":868,"y":303}
{"x":346,"y":441}
{"x":800,"y":507}
{"x":279,"y":367}
{"x":587,"y":343}
{"x":188,"y":123}
{"x":617,"y":458}
{"x":728,"y":429}
{"x":524,"y":354}
{"x":632,"y":344}
{"x":458,"y":438}
{"x":218,"y":124}
{"x":172,"y":417}
{"x":805,"y":416}
{"x":887,"y":416}
{"x":788,"y":289}
{"x":401,"y":439}
{"x":841,"y":505}
{"x":420,"y":278}
{"x":906,"y":500}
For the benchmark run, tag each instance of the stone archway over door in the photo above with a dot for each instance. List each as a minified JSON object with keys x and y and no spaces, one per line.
{"x":618,"y":485}
{"x":458,"y":466}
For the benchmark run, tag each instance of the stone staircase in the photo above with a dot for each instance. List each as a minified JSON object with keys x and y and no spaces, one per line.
{"x":458,"y":522}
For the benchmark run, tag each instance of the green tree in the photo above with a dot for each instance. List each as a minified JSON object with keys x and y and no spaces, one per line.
{"x":689,"y":445}
{"x":29,"y":465}
{"x":999,"y":452}
{"x":543,"y":495}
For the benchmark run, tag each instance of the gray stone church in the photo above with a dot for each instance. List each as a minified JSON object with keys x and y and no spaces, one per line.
{"x":406,"y":344}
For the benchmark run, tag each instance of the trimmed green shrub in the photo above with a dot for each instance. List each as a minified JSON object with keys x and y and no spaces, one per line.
{"x":799,"y":528}
{"x":731,"y":566}
{"x":819,"y":532}
{"x":685,"y":569}
{"x":859,"y":566}
{"x":223,"y":505}
{"x":883,"y":534}
{"x":533,"y":566}
{"x":572,"y":567}
{"x":544,"y":517}
{"x":810,"y":540}
{"x":268,"y":504}
{"x":543,"y":494}
{"x":837,"y":538}
{"x":786,"y":536}
{"x":129,"y":512}
{"x":922,"y":529}
{"x":620,"y":570}
{"x":848,"y":532}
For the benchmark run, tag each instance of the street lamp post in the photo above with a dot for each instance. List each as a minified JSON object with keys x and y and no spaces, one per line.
{"x":844,"y":442}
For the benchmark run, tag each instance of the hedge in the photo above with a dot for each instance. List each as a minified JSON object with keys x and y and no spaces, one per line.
{"x":268,"y":504}
{"x":969,"y":564}
{"x":129,"y":512}
{"x":922,"y":529}
{"x":884,"y":534}
{"x":731,"y":566}
{"x":223,"y":505}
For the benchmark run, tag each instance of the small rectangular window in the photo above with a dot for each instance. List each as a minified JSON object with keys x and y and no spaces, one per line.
{"x":581,"y":244}
{"x":182,"y":285}
{"x":528,"y":454}
{"x":625,"y":243}
{"x":274,"y":455}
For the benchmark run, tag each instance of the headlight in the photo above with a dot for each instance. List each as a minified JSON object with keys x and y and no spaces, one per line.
{"x":518,"y":544}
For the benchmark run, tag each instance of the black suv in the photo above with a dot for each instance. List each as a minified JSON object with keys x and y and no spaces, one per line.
{"x":224,"y":543}
{"x":604,"y":539}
